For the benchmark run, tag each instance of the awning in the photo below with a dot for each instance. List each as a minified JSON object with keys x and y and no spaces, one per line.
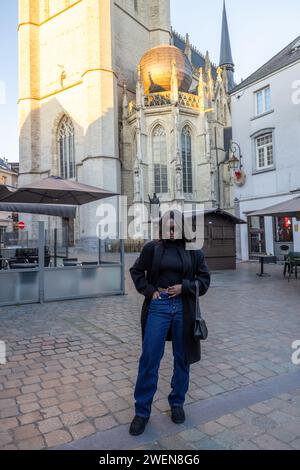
{"x":290,"y":208}
{"x":42,"y":209}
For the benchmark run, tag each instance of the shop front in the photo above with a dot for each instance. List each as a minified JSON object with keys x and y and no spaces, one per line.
{"x":275,"y":230}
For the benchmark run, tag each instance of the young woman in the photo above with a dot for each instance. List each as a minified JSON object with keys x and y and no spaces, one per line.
{"x":165,"y":273}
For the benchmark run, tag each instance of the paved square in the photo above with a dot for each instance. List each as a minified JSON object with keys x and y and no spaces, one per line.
{"x":71,"y":369}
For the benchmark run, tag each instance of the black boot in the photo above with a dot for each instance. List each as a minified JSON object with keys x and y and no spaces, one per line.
{"x":177,"y":414}
{"x":138,"y":425}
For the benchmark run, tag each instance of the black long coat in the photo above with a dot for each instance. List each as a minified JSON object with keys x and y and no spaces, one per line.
{"x":145,"y":273}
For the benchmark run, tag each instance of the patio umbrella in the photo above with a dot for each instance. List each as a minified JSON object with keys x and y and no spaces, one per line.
{"x":4,"y":191}
{"x":290,"y":208}
{"x":54,"y":190}
{"x":42,"y":209}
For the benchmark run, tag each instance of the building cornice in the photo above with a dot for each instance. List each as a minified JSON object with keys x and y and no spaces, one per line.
{"x":8,"y":172}
{"x":31,"y":23}
{"x":35,"y":98}
{"x":140,"y":23}
{"x":80,"y":82}
{"x":98,"y":157}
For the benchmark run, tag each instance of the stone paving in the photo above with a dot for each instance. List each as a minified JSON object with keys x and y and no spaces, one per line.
{"x":71,"y":370}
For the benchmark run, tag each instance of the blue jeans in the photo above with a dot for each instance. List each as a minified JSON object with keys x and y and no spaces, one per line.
{"x":162,"y":313}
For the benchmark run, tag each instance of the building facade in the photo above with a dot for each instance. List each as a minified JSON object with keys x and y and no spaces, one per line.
{"x":85,"y":110}
{"x":9,"y":177}
{"x":173,"y":130}
{"x":265,"y":116}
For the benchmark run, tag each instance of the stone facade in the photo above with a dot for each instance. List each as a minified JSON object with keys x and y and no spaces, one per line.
{"x":75,"y":56}
{"x":204,"y":113}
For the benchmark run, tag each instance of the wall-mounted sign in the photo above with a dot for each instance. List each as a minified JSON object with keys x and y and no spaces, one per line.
{"x":21,"y":225}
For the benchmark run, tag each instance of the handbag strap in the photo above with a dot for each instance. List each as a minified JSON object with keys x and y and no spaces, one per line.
{"x":198,"y":315}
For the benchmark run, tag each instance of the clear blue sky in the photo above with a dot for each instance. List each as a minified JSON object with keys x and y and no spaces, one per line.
{"x":259,"y":29}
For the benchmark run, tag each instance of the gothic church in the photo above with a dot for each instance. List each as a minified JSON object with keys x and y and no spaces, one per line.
{"x":110,"y":95}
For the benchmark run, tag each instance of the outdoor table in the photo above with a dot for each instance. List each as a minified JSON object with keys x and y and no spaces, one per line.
{"x":262,"y":259}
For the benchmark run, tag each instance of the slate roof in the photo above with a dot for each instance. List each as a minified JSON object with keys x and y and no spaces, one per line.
{"x":287,"y":56}
{"x":198,"y":59}
{"x":4,"y":165}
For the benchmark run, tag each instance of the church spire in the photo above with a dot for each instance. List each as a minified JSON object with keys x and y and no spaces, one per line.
{"x":188,"y":48}
{"x":226,"y":61}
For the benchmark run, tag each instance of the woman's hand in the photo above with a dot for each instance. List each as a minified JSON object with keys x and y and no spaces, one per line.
{"x":173,"y":291}
{"x":156,"y":295}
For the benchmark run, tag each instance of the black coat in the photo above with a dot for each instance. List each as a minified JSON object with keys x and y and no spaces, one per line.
{"x":145,"y":273}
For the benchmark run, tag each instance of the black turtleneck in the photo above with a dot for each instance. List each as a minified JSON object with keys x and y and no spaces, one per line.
{"x":171,"y":268}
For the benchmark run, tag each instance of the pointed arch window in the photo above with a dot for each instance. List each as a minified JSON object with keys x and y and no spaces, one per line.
{"x":186,"y":144}
{"x":160,"y":160}
{"x":66,"y":148}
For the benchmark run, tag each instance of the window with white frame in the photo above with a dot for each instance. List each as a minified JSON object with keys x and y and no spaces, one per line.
{"x":66,"y":148}
{"x":160,"y":160}
{"x":186,"y":146}
{"x":263,"y":101}
{"x":264,"y":151}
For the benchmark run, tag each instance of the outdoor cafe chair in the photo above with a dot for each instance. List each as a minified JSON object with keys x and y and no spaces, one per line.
{"x":291,"y":264}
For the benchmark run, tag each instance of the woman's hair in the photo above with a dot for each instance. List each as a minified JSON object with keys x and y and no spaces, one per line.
{"x":182,"y":229}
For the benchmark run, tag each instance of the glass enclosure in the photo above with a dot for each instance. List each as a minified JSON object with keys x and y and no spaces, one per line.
{"x":45,"y":264}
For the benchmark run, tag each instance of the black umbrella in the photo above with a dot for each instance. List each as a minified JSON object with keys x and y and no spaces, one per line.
{"x":4,"y":191}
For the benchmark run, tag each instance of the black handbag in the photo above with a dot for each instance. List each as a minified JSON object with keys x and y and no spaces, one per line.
{"x":200,"y":328}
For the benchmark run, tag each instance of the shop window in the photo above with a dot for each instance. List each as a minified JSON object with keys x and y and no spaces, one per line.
{"x":284,"y":230}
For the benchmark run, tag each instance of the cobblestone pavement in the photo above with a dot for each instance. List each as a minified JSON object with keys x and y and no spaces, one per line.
{"x":71,"y":369}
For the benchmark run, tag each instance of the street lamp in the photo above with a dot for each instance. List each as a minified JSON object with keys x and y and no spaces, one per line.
{"x":234,"y":162}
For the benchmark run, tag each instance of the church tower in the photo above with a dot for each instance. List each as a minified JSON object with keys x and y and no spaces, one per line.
{"x":74,"y":56}
{"x":226,"y":61}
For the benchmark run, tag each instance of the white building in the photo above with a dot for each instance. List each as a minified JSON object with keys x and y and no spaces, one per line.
{"x":266,"y":125}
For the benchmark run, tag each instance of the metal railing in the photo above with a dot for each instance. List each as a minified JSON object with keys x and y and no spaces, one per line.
{"x":164,"y":98}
